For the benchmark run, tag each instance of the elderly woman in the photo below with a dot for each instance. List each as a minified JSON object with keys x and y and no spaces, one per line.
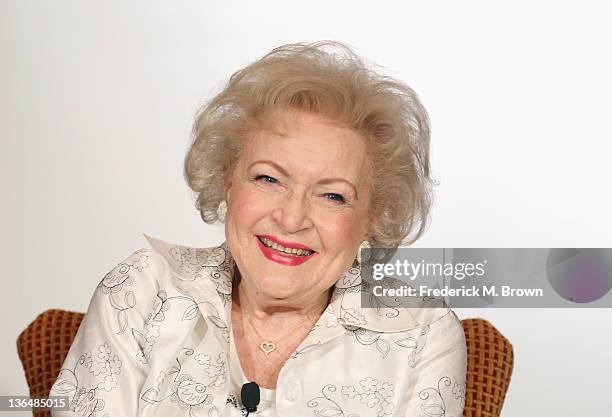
{"x":305,"y":155}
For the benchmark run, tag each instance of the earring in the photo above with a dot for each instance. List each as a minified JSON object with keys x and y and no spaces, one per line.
{"x":363,"y":254}
{"x":222,"y":210}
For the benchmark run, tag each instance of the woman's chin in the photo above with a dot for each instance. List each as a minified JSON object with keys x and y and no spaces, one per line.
{"x":273,"y":290}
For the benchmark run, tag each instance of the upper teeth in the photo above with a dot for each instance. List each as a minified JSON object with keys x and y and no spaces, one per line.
{"x":281,"y":248}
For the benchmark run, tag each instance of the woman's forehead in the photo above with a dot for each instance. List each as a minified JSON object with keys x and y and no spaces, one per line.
{"x":309,"y":144}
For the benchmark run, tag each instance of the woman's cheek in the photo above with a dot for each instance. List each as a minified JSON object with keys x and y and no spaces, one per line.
{"x":345,"y":228}
{"x":247,"y":202}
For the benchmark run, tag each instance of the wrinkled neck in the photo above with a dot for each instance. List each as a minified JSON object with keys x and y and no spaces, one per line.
{"x":247,"y":301}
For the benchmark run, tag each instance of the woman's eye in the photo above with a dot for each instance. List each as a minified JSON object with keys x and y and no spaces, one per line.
{"x":338,"y":198}
{"x":266,"y":178}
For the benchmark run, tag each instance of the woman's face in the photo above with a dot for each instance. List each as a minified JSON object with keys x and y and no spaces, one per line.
{"x":300,"y":184}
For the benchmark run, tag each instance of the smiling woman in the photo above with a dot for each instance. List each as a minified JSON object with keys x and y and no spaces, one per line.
{"x":281,"y":187}
{"x":306,"y":154}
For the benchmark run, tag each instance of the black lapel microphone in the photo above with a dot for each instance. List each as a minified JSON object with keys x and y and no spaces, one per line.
{"x":249,"y":394}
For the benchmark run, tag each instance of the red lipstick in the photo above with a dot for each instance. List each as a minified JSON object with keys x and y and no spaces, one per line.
{"x":284,"y":259}
{"x":287,"y":244}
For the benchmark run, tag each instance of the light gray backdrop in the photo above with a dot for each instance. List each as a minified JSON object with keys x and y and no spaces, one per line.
{"x":96,"y":105}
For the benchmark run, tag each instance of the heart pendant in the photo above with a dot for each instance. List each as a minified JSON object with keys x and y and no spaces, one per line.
{"x":267,"y":347}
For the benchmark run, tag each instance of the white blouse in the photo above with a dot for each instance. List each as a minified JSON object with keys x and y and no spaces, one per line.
{"x":156,"y":341}
{"x":267,"y":402}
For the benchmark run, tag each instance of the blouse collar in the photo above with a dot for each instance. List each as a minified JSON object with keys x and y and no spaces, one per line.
{"x":210,"y":270}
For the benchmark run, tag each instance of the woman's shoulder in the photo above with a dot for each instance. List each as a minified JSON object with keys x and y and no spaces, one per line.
{"x":163,"y":267}
{"x":413,"y":319}
{"x":185,"y":263}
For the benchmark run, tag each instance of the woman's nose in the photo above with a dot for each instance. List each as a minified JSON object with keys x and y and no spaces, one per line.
{"x":293,"y":213}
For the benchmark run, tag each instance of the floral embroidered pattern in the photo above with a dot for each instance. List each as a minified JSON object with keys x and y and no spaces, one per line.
{"x":370,"y":392}
{"x":219,"y":267}
{"x":459,"y":391}
{"x":185,"y":390}
{"x":116,"y":282}
{"x":415,"y":344}
{"x":146,"y":340}
{"x":325,"y":406}
{"x":218,"y":322}
{"x":187,"y":259}
{"x":351,"y":284}
{"x":369,"y":337}
{"x":103,"y":365}
{"x":435,"y":401}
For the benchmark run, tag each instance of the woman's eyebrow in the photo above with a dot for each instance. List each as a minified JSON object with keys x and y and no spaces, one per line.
{"x":274,"y":164}
{"x":324,"y":181}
